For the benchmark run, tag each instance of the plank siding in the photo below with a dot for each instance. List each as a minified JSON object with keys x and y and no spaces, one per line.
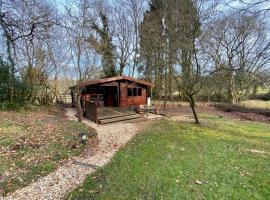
{"x":113,"y":92}
{"x":126,"y":100}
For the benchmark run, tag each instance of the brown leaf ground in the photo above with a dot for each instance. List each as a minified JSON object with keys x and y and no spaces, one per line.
{"x":111,"y":137}
{"x":34,"y":143}
{"x":241,"y":113}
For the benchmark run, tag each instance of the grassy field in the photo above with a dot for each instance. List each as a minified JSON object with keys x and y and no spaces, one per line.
{"x":220,"y":159}
{"x":256,"y":104}
{"x":34,"y":143}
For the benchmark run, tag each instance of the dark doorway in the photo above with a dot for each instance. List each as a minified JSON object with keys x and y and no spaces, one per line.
{"x":111,"y":96}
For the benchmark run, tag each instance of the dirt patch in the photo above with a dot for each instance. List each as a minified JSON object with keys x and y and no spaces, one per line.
{"x":181,"y":111}
{"x":241,"y":112}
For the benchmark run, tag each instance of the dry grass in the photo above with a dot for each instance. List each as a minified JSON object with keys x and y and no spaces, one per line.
{"x":256,"y":104}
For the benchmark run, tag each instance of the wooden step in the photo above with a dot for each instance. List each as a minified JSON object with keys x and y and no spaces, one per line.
{"x":137,"y":120}
{"x":117,"y":115}
{"x":119,"y":119}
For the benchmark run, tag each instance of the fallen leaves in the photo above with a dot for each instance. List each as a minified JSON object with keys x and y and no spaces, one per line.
{"x":31,"y":138}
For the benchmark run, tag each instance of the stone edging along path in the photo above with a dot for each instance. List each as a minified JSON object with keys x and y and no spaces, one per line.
{"x":69,"y":176}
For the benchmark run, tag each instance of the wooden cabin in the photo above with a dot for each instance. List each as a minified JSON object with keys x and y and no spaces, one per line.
{"x":114,"y":92}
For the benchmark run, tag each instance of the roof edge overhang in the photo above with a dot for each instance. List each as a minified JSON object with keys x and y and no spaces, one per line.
{"x":112,"y":79}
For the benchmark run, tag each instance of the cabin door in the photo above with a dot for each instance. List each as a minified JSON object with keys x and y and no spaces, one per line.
{"x":111,"y":96}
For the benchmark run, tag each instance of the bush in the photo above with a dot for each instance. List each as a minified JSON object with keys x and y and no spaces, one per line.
{"x":4,"y":81}
{"x":7,"y":105}
{"x":8,"y":81}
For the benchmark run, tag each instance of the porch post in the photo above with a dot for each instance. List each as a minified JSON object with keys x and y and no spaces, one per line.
{"x":118,"y":94}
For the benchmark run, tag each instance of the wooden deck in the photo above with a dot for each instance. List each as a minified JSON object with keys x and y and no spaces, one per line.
{"x":107,"y":115}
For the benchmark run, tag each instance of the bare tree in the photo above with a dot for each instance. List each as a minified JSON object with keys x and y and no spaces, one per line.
{"x":255,"y":6}
{"x":122,"y":36}
{"x":239,"y":47}
{"x":23,"y":23}
{"x":79,"y":26}
{"x":135,"y":10}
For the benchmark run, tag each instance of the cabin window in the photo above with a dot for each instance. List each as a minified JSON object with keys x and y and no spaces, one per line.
{"x":129,"y":92}
{"x":139,"y":91}
{"x":135,"y":93}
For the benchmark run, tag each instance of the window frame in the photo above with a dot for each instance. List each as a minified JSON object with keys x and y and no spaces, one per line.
{"x":129,"y":92}
{"x":139,"y":93}
{"x":134,"y":91}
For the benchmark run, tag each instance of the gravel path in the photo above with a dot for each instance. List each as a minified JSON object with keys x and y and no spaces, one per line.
{"x":69,"y":176}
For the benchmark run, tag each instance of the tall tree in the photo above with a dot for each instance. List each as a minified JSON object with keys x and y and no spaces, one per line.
{"x":104,"y":46}
{"x":134,"y":10}
{"x":188,"y":29}
{"x":176,"y":32}
{"x":78,"y":32}
{"x":152,"y":46}
{"x":122,"y":29}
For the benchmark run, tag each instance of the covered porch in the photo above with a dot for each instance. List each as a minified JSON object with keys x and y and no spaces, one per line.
{"x":105,"y":115}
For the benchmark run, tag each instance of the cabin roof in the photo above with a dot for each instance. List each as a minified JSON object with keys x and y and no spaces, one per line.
{"x":112,"y":79}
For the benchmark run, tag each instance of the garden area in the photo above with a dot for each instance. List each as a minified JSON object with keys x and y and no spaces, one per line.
{"x":226,"y":156}
{"x":134,"y":99}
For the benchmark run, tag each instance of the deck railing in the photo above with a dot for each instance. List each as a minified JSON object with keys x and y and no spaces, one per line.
{"x":91,"y":110}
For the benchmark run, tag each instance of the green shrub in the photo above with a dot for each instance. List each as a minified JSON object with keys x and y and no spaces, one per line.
{"x":7,"y":105}
{"x":5,"y":78}
{"x":8,"y":81}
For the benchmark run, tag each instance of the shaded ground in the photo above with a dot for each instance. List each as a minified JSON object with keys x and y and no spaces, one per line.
{"x":219,"y":159}
{"x":33,"y":144}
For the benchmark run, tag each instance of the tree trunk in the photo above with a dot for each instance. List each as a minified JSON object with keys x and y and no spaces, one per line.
{"x":231,"y":98}
{"x":255,"y":90}
{"x":12,"y":69}
{"x":192,"y":105}
{"x":122,"y":66}
{"x":79,"y":106}
{"x":8,"y":38}
{"x":231,"y":85}
{"x":136,"y":49}
{"x":165,"y":102}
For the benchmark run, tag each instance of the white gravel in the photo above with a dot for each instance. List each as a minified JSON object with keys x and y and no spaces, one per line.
{"x":69,"y":176}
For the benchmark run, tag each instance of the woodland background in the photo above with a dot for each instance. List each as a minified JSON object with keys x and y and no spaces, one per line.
{"x":210,"y":50}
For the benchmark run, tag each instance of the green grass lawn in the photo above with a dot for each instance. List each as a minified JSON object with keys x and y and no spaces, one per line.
{"x":220,"y":159}
{"x":33,"y":144}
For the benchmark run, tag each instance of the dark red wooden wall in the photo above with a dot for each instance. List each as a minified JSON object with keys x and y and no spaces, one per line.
{"x":126,"y":100}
